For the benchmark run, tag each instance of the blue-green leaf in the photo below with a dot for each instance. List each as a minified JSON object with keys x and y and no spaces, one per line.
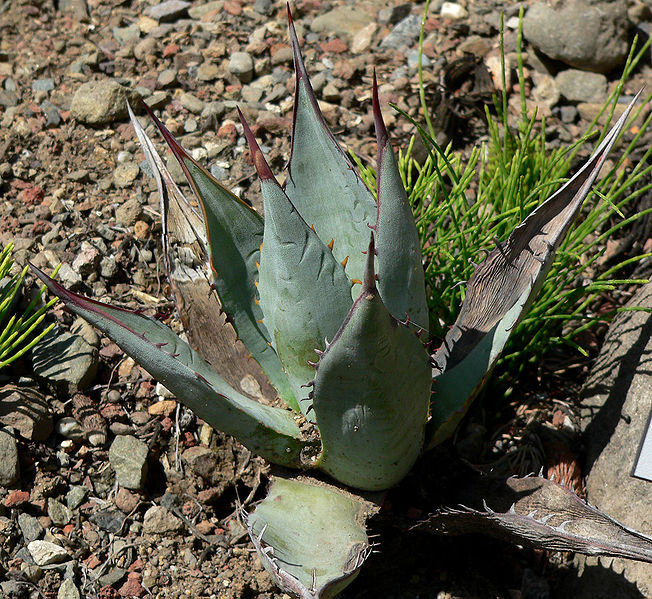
{"x":371,"y":395}
{"x":310,"y":537}
{"x":304,"y":292}
{"x":234,"y":232}
{"x":321,"y":181}
{"x":267,"y":431}
{"x":400,"y":272}
{"x":501,"y":290}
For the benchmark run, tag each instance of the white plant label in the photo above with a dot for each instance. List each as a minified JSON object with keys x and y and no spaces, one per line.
{"x":643,"y":467}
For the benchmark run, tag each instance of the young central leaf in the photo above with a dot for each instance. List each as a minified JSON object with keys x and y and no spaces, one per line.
{"x":321,"y":181}
{"x":304,"y":292}
{"x":371,"y":395}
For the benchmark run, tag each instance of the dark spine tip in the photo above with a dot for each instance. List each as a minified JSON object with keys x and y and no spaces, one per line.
{"x":174,"y":145}
{"x":299,"y":67}
{"x":369,"y":278}
{"x":381,"y":130}
{"x":262,"y":168}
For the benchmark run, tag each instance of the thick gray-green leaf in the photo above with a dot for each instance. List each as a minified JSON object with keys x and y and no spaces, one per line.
{"x":501,"y":290}
{"x":186,"y":253}
{"x":267,"y":431}
{"x":310,"y":537}
{"x":321,"y":181}
{"x":540,"y":513}
{"x":234,"y":234}
{"x":304,"y":292}
{"x":371,"y":395}
{"x":400,"y":272}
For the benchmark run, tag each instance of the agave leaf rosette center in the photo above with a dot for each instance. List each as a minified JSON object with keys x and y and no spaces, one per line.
{"x":332,"y":320}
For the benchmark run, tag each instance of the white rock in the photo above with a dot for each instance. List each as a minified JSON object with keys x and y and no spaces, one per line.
{"x":45,"y":553}
{"x":453,"y":11}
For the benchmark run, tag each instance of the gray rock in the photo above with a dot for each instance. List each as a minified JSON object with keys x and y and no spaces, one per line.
{"x":263,"y":7}
{"x":192,"y":103}
{"x":197,"y":12}
{"x":167,"y":11}
{"x":144,"y":48}
{"x":241,"y":65}
{"x":76,"y":496}
{"x":68,"y":277}
{"x":125,"y":174}
{"x":43,"y":85}
{"x":157,"y":100}
{"x":29,"y":526}
{"x":27,"y":411}
{"x":251,"y":94}
{"x":87,"y":260}
{"x":45,"y":553}
{"x":108,"y":520}
{"x":342,"y":20}
{"x":78,"y":8}
{"x":167,"y":77}
{"x":59,"y":513}
{"x":190,"y":126}
{"x":68,"y":590}
{"x":568,"y":114}
{"x":208,"y":71}
{"x":128,"y":213}
{"x":580,"y":86}
{"x":9,"y":466}
{"x":201,"y":460}
{"x":546,"y":91}
{"x":393,"y":14}
{"x":108,"y":267}
{"x":128,"y":457}
{"x":159,"y":520}
{"x":127,"y":35}
{"x":65,"y":359}
{"x":585,"y":35}
{"x":615,"y":411}
{"x":403,"y":33}
{"x":101,"y":102}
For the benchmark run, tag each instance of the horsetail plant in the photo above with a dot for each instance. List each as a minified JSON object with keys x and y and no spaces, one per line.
{"x":327,"y":294}
{"x":18,"y":333}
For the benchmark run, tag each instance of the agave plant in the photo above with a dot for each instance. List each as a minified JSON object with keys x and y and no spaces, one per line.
{"x":327,"y":294}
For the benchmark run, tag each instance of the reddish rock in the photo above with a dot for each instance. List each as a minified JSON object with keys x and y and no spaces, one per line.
{"x":337,"y":46}
{"x":228,"y":132}
{"x":164,"y":408}
{"x":190,"y":509}
{"x":16,"y":498}
{"x":108,"y":592}
{"x":137,"y":566}
{"x":126,"y":501}
{"x":132,"y":588}
{"x":208,"y":496}
{"x":111,"y":411}
{"x":32,"y":195}
{"x":170,"y":50}
{"x":233,"y":8}
{"x":111,"y":351}
{"x":92,"y":561}
{"x":205,"y":527}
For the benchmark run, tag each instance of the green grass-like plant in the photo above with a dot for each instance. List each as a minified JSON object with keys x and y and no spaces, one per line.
{"x":465,"y":206}
{"x":18,"y":334}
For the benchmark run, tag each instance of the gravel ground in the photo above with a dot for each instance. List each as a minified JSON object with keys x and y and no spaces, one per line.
{"x":111,"y":489}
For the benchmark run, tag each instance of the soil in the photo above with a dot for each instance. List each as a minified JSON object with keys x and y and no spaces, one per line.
{"x":60,"y":186}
